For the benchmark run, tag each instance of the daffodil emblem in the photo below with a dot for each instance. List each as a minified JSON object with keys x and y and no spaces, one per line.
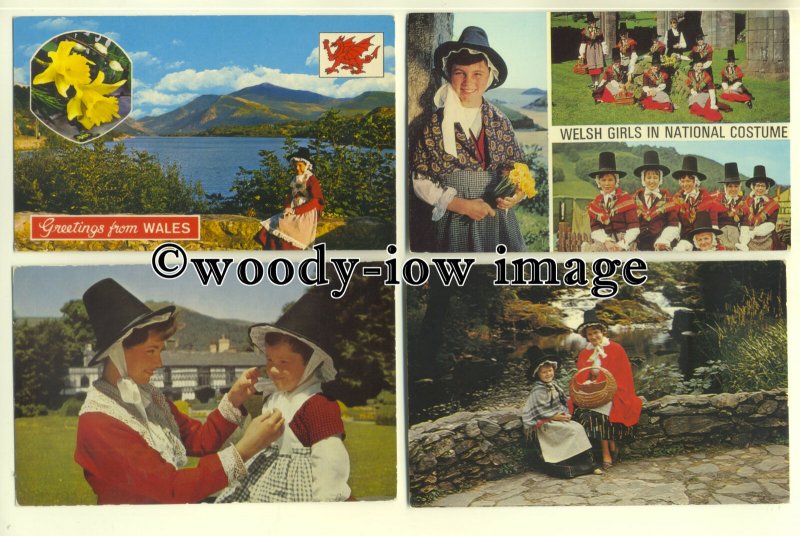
{"x":65,"y":69}
{"x":91,"y":105}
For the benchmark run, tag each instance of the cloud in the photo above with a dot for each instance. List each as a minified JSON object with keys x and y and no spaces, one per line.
{"x":313,"y":58}
{"x":232,"y":78}
{"x":143,"y":57}
{"x":388,"y":51}
{"x":159,"y":98}
{"x":176,"y":42}
{"x":29,"y":50}
{"x":114,"y":36}
{"x":175,"y":64}
{"x":21,"y":75}
{"x":57,"y":24}
{"x":138,"y":113}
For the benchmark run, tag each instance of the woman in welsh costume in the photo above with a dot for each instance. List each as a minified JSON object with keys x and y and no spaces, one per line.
{"x":612,"y":214}
{"x":466,"y":148}
{"x":132,"y":442}
{"x":761,"y":212}
{"x":612,"y":423}
{"x":296,"y":226}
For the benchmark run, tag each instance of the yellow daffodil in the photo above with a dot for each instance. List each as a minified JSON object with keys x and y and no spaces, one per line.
{"x":91,"y":105}
{"x":65,"y":69}
{"x":521,"y":177}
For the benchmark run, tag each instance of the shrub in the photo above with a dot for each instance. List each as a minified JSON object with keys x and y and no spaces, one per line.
{"x":70,"y":408}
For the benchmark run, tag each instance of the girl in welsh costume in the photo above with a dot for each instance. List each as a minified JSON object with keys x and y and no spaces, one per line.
{"x":309,"y":462}
{"x":296,"y":226}
{"x":761,"y":213}
{"x":612,"y":214}
{"x":466,"y":148}
{"x":732,"y":88}
{"x":593,"y":49}
{"x":612,"y":423}
{"x":691,"y":199}
{"x":658,"y":221}
{"x":558,"y":444}
{"x":731,"y":219}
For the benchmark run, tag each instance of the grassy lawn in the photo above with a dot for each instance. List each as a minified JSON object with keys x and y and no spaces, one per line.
{"x":46,"y":473}
{"x":534,"y":229}
{"x":573,"y":103}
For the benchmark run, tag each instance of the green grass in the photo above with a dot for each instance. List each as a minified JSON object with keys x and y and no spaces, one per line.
{"x":46,"y":473}
{"x":535,"y":229}
{"x":573,"y":103}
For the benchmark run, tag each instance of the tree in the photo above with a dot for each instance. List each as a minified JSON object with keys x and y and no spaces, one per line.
{"x":78,"y":331}
{"x":39,"y":365}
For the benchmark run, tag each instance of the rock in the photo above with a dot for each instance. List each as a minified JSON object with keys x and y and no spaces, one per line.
{"x":740,"y":489}
{"x":704,"y":469}
{"x":488,"y":428}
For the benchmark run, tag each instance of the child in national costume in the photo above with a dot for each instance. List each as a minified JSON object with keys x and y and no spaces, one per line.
{"x":731,"y":219}
{"x":654,"y":87}
{"x":702,"y":94}
{"x":761,"y":213}
{"x":309,"y":462}
{"x":613,"y":422}
{"x":731,"y":83}
{"x":627,"y":52}
{"x":593,"y":49}
{"x":704,"y":235}
{"x":658,"y":221}
{"x":467,"y":146}
{"x":613,"y":81}
{"x":296,"y":226}
{"x":691,"y":199}
{"x":554,"y":437}
{"x":612,"y":214}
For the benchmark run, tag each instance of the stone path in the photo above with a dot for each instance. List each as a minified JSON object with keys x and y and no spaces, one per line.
{"x":758,"y":474}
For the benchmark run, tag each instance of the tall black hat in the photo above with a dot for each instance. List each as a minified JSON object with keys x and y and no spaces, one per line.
{"x":702,"y":224}
{"x":731,"y":56}
{"x":623,"y":29}
{"x":656,"y":59}
{"x":476,"y":39}
{"x":700,"y":34}
{"x":590,"y":17}
{"x":537,"y":358}
{"x":651,"y":162}
{"x":689,"y":167}
{"x":591,"y":320}
{"x":113,"y":312}
{"x":301,"y":152}
{"x":731,"y":174}
{"x":760,"y":175}
{"x":308,"y":320}
{"x":607,"y":163}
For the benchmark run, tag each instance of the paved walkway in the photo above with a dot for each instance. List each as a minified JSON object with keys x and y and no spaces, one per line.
{"x":758,"y":474}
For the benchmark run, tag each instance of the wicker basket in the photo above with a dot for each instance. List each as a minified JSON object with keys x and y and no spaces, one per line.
{"x":592,"y":395}
{"x":579,"y":68}
{"x":624,"y":97}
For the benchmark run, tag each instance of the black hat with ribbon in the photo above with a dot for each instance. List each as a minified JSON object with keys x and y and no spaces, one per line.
{"x":689,"y":167}
{"x":623,"y":29}
{"x":472,"y":38}
{"x":607,"y":163}
{"x":590,"y":17}
{"x":731,"y":174}
{"x":731,"y":56}
{"x":760,"y":175}
{"x":113,"y":312}
{"x":538,"y":358}
{"x":591,"y":320}
{"x":702,"y":224}
{"x":651,"y":162}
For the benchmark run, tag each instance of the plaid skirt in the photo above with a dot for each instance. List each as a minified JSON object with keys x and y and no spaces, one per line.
{"x":274,"y":477}
{"x":457,"y":233}
{"x":598,"y":426}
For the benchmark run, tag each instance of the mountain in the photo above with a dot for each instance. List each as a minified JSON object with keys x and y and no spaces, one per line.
{"x":260,"y":104}
{"x":534,"y":91}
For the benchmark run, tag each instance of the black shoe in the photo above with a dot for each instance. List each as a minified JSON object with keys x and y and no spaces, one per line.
{"x":750,"y":104}
{"x":641,"y":106}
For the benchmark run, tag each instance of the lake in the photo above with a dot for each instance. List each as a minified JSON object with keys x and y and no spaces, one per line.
{"x":212,"y":161}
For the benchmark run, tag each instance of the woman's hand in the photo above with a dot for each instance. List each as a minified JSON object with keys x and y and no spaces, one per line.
{"x":563,"y":417}
{"x":510,"y":202}
{"x":475,"y":209}
{"x":260,"y":433}
{"x":244,"y":387}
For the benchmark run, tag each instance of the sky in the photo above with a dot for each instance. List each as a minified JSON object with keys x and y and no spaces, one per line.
{"x":519,"y":38}
{"x":40,"y":291}
{"x":176,"y":59}
{"x":774,"y":155}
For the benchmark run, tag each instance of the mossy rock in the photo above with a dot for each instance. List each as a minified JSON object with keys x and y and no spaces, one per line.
{"x":535,"y":316}
{"x":627,"y":312}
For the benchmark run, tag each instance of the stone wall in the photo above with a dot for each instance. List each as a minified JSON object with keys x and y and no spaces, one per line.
{"x":767,"y":45}
{"x":460,"y":450}
{"x":221,"y":232}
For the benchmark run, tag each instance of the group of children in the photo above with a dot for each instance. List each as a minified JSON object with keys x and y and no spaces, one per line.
{"x":611,"y":82}
{"x":693,"y":218}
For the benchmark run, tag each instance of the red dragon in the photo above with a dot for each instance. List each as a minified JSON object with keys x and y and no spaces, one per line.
{"x":348,"y":54}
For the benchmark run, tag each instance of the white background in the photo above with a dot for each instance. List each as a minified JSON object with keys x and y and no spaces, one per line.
{"x":393,"y":517}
